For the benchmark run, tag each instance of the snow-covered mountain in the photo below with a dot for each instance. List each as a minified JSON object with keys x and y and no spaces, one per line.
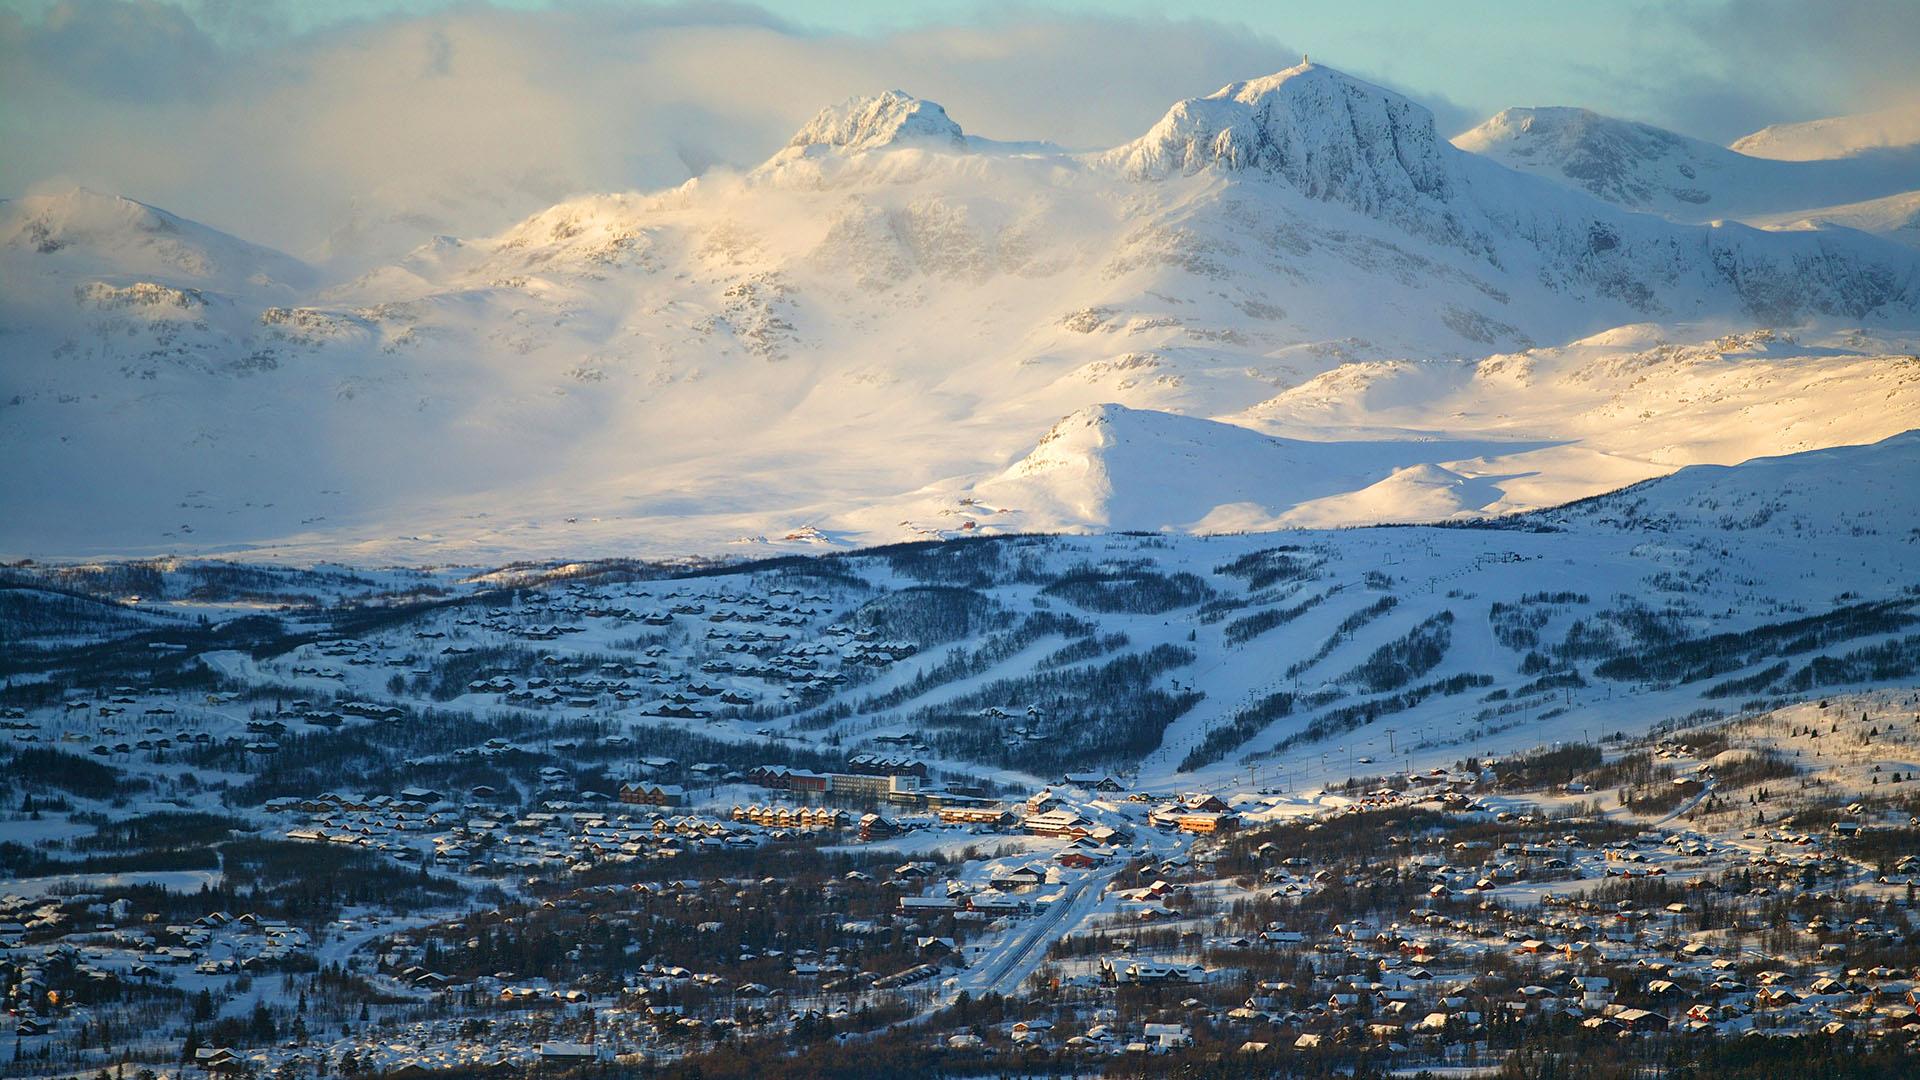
{"x":1867,"y":490}
{"x":1294,"y":281}
{"x":1335,"y":139}
{"x":85,"y":233}
{"x":1895,"y":217}
{"x":1643,"y":167}
{"x":1108,"y":466}
{"x":1835,"y":136}
{"x":876,"y":123}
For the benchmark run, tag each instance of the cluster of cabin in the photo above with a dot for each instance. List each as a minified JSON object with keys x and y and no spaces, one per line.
{"x":62,"y":957}
{"x":557,"y":836}
{"x":738,"y":650}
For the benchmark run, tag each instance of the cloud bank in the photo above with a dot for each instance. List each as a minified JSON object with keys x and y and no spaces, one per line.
{"x":464,"y":120}
{"x":347,"y":140}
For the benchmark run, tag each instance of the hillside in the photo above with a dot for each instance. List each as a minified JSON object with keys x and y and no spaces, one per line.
{"x":1646,"y":168}
{"x":1111,"y":467}
{"x":85,"y":233}
{"x":1895,"y":217}
{"x":1190,"y":659}
{"x":1836,"y":136}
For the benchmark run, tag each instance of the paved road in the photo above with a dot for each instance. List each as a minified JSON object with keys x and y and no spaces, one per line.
{"x":1005,"y":974}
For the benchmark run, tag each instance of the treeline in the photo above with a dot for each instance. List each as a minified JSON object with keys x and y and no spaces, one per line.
{"x":1244,"y":725}
{"x":126,"y":657}
{"x":211,"y":582}
{"x":1874,"y":663}
{"x":164,"y":829}
{"x":368,"y":756}
{"x":27,"y":614}
{"x":1401,"y":661}
{"x":1242,"y":630}
{"x":1270,"y":566}
{"x":19,"y":860}
{"x":34,"y":768}
{"x":1692,"y":660}
{"x":790,"y":905}
{"x":453,"y":671}
{"x":928,"y":614}
{"x":1134,"y":590}
{"x":973,"y":562}
{"x":1751,"y":684}
{"x":388,"y":757}
{"x":1344,"y":719}
{"x":1599,"y":637}
{"x":1753,"y":767}
{"x":966,"y":663}
{"x":1549,"y":768}
{"x":1555,"y":680}
{"x":1576,"y":1054}
{"x":1109,"y":712}
{"x":1633,"y":769}
{"x":1517,"y":625}
{"x":1347,"y":628}
{"x":294,"y":877}
{"x":687,"y":747}
{"x":1091,"y":647}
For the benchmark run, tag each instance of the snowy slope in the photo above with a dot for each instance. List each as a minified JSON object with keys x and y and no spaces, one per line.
{"x":1643,"y":167}
{"x":1117,"y":468}
{"x":1338,"y":140}
{"x":1868,"y":488}
{"x":868,"y":332}
{"x":1615,"y":408}
{"x":1295,"y":657}
{"x":1312,"y":651}
{"x":876,"y":123}
{"x":84,"y":232}
{"x":1835,"y":136}
{"x":1895,"y":217}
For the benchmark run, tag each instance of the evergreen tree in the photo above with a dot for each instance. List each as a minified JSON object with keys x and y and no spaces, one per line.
{"x":261,"y":1030}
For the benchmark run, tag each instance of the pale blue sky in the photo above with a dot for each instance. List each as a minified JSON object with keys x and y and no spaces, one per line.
{"x":1712,"y":68}
{"x":1471,"y":51}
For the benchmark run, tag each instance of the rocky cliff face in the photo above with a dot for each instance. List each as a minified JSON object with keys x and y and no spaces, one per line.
{"x":1332,"y":137}
{"x":1336,"y":139}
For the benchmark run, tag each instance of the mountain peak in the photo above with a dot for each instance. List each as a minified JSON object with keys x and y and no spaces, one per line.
{"x":1248,"y":89}
{"x":85,"y":231}
{"x":877,"y":122}
{"x":1332,"y":136}
{"x":51,"y":222}
{"x":1622,"y":161}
